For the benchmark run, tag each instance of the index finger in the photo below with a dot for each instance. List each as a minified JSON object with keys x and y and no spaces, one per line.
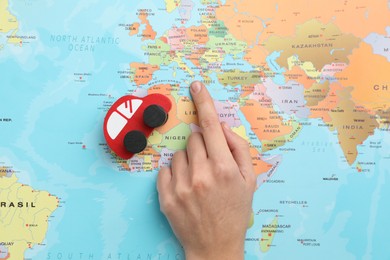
{"x":213,"y":135}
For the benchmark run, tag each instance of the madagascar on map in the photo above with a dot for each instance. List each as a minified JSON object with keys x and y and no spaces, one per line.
{"x":306,"y":83}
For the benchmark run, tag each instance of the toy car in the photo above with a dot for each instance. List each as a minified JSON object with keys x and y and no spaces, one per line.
{"x":131,"y":120}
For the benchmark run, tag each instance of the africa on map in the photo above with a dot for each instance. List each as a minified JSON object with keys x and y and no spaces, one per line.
{"x":306,"y":83}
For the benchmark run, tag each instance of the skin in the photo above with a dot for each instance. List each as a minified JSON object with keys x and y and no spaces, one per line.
{"x":207,"y":192}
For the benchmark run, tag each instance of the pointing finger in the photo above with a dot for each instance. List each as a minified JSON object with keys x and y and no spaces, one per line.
{"x":213,"y":135}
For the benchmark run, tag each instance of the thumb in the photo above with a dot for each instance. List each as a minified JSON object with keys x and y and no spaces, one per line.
{"x":164,"y":187}
{"x":240,"y":151}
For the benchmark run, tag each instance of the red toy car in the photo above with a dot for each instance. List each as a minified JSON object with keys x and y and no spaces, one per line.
{"x":131,"y":119}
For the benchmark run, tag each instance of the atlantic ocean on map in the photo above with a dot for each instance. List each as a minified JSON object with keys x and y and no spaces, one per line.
{"x":307,"y":84}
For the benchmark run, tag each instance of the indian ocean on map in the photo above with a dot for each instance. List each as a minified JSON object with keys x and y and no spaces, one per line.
{"x":305,"y":82}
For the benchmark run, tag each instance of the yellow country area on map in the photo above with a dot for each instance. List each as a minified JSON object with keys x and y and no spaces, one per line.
{"x":155,"y":138}
{"x":240,"y":130}
{"x":268,"y":234}
{"x":24,"y":214}
{"x":306,"y":66}
{"x":172,"y":5}
{"x":8,"y":22}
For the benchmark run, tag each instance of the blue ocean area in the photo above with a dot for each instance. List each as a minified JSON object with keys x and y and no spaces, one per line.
{"x":55,"y":91}
{"x":278,"y":78}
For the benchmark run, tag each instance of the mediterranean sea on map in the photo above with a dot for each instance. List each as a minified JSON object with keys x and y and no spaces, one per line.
{"x":305,"y":83}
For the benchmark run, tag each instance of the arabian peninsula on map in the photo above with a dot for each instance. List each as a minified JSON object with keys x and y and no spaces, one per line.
{"x":306,"y":83}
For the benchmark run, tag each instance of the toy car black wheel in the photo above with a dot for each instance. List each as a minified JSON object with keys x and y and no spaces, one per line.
{"x":155,"y":116}
{"x":135,"y":142}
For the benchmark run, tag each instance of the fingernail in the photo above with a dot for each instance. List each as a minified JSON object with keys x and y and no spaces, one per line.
{"x":196,"y":87}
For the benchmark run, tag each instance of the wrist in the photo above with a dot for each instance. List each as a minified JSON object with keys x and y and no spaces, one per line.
{"x":223,"y":254}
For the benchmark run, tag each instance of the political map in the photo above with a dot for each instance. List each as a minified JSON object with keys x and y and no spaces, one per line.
{"x":306,"y":83}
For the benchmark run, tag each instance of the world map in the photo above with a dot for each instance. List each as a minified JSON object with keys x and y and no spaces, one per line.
{"x":306,"y":83}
